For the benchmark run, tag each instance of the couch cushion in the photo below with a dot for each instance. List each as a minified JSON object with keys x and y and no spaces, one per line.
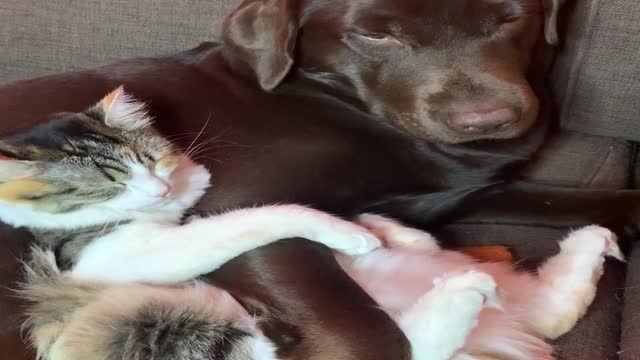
{"x":597,"y":335}
{"x":39,"y":37}
{"x":630,"y":346}
{"x":597,"y":76}
{"x":578,"y":160}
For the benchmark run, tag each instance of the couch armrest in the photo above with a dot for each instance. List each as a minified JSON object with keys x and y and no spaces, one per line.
{"x":596,"y":77}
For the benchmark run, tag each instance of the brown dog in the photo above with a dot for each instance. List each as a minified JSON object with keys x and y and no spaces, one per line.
{"x":444,"y":71}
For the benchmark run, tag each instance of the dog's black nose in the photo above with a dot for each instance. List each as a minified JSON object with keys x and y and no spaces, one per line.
{"x":483,"y":121}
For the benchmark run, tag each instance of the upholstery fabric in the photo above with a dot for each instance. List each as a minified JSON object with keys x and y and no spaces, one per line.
{"x":597,"y":73}
{"x":40,"y":37}
{"x":629,"y":345}
{"x":575,"y":159}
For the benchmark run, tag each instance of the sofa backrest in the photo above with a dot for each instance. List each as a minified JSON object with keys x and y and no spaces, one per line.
{"x":596,"y":78}
{"x":40,"y":37}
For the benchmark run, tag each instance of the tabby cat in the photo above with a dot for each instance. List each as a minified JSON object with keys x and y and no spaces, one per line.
{"x":106,"y":193}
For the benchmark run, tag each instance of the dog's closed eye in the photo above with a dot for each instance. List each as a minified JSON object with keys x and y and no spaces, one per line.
{"x":373,"y":44}
{"x":509,"y":19}
{"x":381,"y":38}
{"x":377,"y":38}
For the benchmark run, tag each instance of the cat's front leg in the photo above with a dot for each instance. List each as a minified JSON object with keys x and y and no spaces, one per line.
{"x":167,"y":254}
{"x":397,"y":235}
{"x":438,"y":325}
{"x":568,"y":281}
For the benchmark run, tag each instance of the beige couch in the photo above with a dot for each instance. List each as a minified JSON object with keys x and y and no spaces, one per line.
{"x":596,"y":83}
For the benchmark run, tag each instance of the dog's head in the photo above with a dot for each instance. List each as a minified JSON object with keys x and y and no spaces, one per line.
{"x":448,"y":71}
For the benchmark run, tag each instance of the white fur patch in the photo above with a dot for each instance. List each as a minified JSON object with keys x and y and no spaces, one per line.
{"x":203,"y":245}
{"x":255,"y":347}
{"x":15,"y":169}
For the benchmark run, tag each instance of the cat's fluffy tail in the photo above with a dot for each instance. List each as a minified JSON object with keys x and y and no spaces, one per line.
{"x":50,"y":300}
{"x":78,"y":321}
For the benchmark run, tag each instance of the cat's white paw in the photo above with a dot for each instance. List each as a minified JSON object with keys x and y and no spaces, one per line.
{"x":569,"y":280}
{"x":455,"y":302}
{"x":395,"y":234}
{"x":593,"y":239}
{"x":349,"y":238}
{"x":469,"y":282}
{"x":338,"y":234}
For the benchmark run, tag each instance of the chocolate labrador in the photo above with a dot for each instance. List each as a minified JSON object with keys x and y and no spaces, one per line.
{"x":386,"y":105}
{"x":448,"y":78}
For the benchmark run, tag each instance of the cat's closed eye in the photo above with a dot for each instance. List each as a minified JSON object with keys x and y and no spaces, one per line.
{"x":149,"y":157}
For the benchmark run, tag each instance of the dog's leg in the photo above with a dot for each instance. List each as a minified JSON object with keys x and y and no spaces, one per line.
{"x":568,"y":280}
{"x":519,"y":203}
{"x":396,"y":235}
{"x":438,"y":325}
{"x":157,"y":254}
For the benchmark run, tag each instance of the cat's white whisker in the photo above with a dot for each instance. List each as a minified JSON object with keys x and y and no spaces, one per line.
{"x":186,"y":153}
{"x":210,"y":158}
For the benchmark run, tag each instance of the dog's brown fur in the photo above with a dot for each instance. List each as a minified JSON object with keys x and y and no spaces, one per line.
{"x":417,"y":63}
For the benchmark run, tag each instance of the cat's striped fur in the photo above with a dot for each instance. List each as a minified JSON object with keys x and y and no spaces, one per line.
{"x":127,"y":322}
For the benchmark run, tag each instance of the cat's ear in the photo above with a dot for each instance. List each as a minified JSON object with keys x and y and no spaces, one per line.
{"x":122,"y":111}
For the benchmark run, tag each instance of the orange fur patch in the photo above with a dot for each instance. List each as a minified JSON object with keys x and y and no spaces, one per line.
{"x":168,"y":162}
{"x":489,"y":253}
{"x":14,"y":191}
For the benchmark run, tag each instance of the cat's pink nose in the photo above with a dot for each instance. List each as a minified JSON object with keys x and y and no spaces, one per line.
{"x":159,"y":188}
{"x":164,"y":191}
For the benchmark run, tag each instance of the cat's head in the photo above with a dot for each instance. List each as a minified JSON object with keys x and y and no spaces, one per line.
{"x":105,"y":164}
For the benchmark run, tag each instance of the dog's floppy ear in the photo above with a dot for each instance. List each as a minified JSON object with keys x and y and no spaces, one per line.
{"x":551,"y":10}
{"x":263,"y":34}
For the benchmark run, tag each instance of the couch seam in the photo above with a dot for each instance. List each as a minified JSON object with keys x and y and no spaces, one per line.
{"x":633,"y":168}
{"x":578,"y":64}
{"x":603,"y":162}
{"x":623,"y":307}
